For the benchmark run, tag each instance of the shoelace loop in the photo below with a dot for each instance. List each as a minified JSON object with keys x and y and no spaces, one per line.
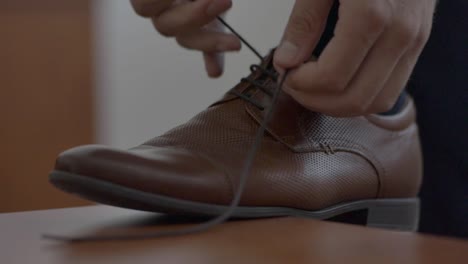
{"x":246,"y":96}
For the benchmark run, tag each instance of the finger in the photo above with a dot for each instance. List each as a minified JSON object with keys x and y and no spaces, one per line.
{"x":401,"y":74}
{"x":357,"y":103}
{"x":379,"y":64}
{"x":327,"y":104}
{"x":214,"y":61}
{"x":214,"y":64}
{"x":150,"y":8}
{"x":209,"y":41}
{"x":305,"y":26}
{"x":335,"y":105}
{"x":189,"y":16}
{"x":356,"y":32}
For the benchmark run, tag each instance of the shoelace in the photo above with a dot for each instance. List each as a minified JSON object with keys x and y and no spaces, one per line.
{"x":253,"y":68}
{"x":256,"y":84}
{"x":245,"y":171}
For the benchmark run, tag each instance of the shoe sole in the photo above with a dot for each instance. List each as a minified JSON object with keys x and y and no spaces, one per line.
{"x":395,"y":214}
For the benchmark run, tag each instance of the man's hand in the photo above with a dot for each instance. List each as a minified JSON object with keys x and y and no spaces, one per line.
{"x":193,"y":24}
{"x":367,"y":63}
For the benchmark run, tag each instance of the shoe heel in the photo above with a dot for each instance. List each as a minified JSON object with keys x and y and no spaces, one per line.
{"x":396,"y":214}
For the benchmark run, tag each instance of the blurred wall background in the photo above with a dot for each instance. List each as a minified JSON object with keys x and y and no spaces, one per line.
{"x":80,"y":72}
{"x":147,"y":84}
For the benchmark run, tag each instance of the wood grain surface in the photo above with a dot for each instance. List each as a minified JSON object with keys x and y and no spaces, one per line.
{"x":269,"y":241}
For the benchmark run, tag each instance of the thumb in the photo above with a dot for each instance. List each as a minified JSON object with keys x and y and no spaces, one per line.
{"x":305,"y":26}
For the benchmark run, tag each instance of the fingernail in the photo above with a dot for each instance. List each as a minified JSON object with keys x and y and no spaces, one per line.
{"x":286,"y":52}
{"x":217,"y":7}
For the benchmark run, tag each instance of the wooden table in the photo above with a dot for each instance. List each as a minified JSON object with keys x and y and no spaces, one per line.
{"x":278,"y":240}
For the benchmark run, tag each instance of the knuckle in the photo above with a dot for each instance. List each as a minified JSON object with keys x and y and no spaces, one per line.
{"x":141,"y":7}
{"x":377,"y":16}
{"x":422,"y":37}
{"x":364,"y":38}
{"x":304,"y":22}
{"x":165,"y":32}
{"x":163,"y":29}
{"x":406,"y":33}
{"x":182,"y":42}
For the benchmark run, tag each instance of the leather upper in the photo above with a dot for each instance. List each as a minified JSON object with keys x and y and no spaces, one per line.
{"x":307,"y":160}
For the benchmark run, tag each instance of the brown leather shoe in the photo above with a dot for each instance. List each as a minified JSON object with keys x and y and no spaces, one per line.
{"x":309,"y":164}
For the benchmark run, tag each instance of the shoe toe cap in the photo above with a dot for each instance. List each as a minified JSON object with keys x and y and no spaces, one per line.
{"x":176,"y":173}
